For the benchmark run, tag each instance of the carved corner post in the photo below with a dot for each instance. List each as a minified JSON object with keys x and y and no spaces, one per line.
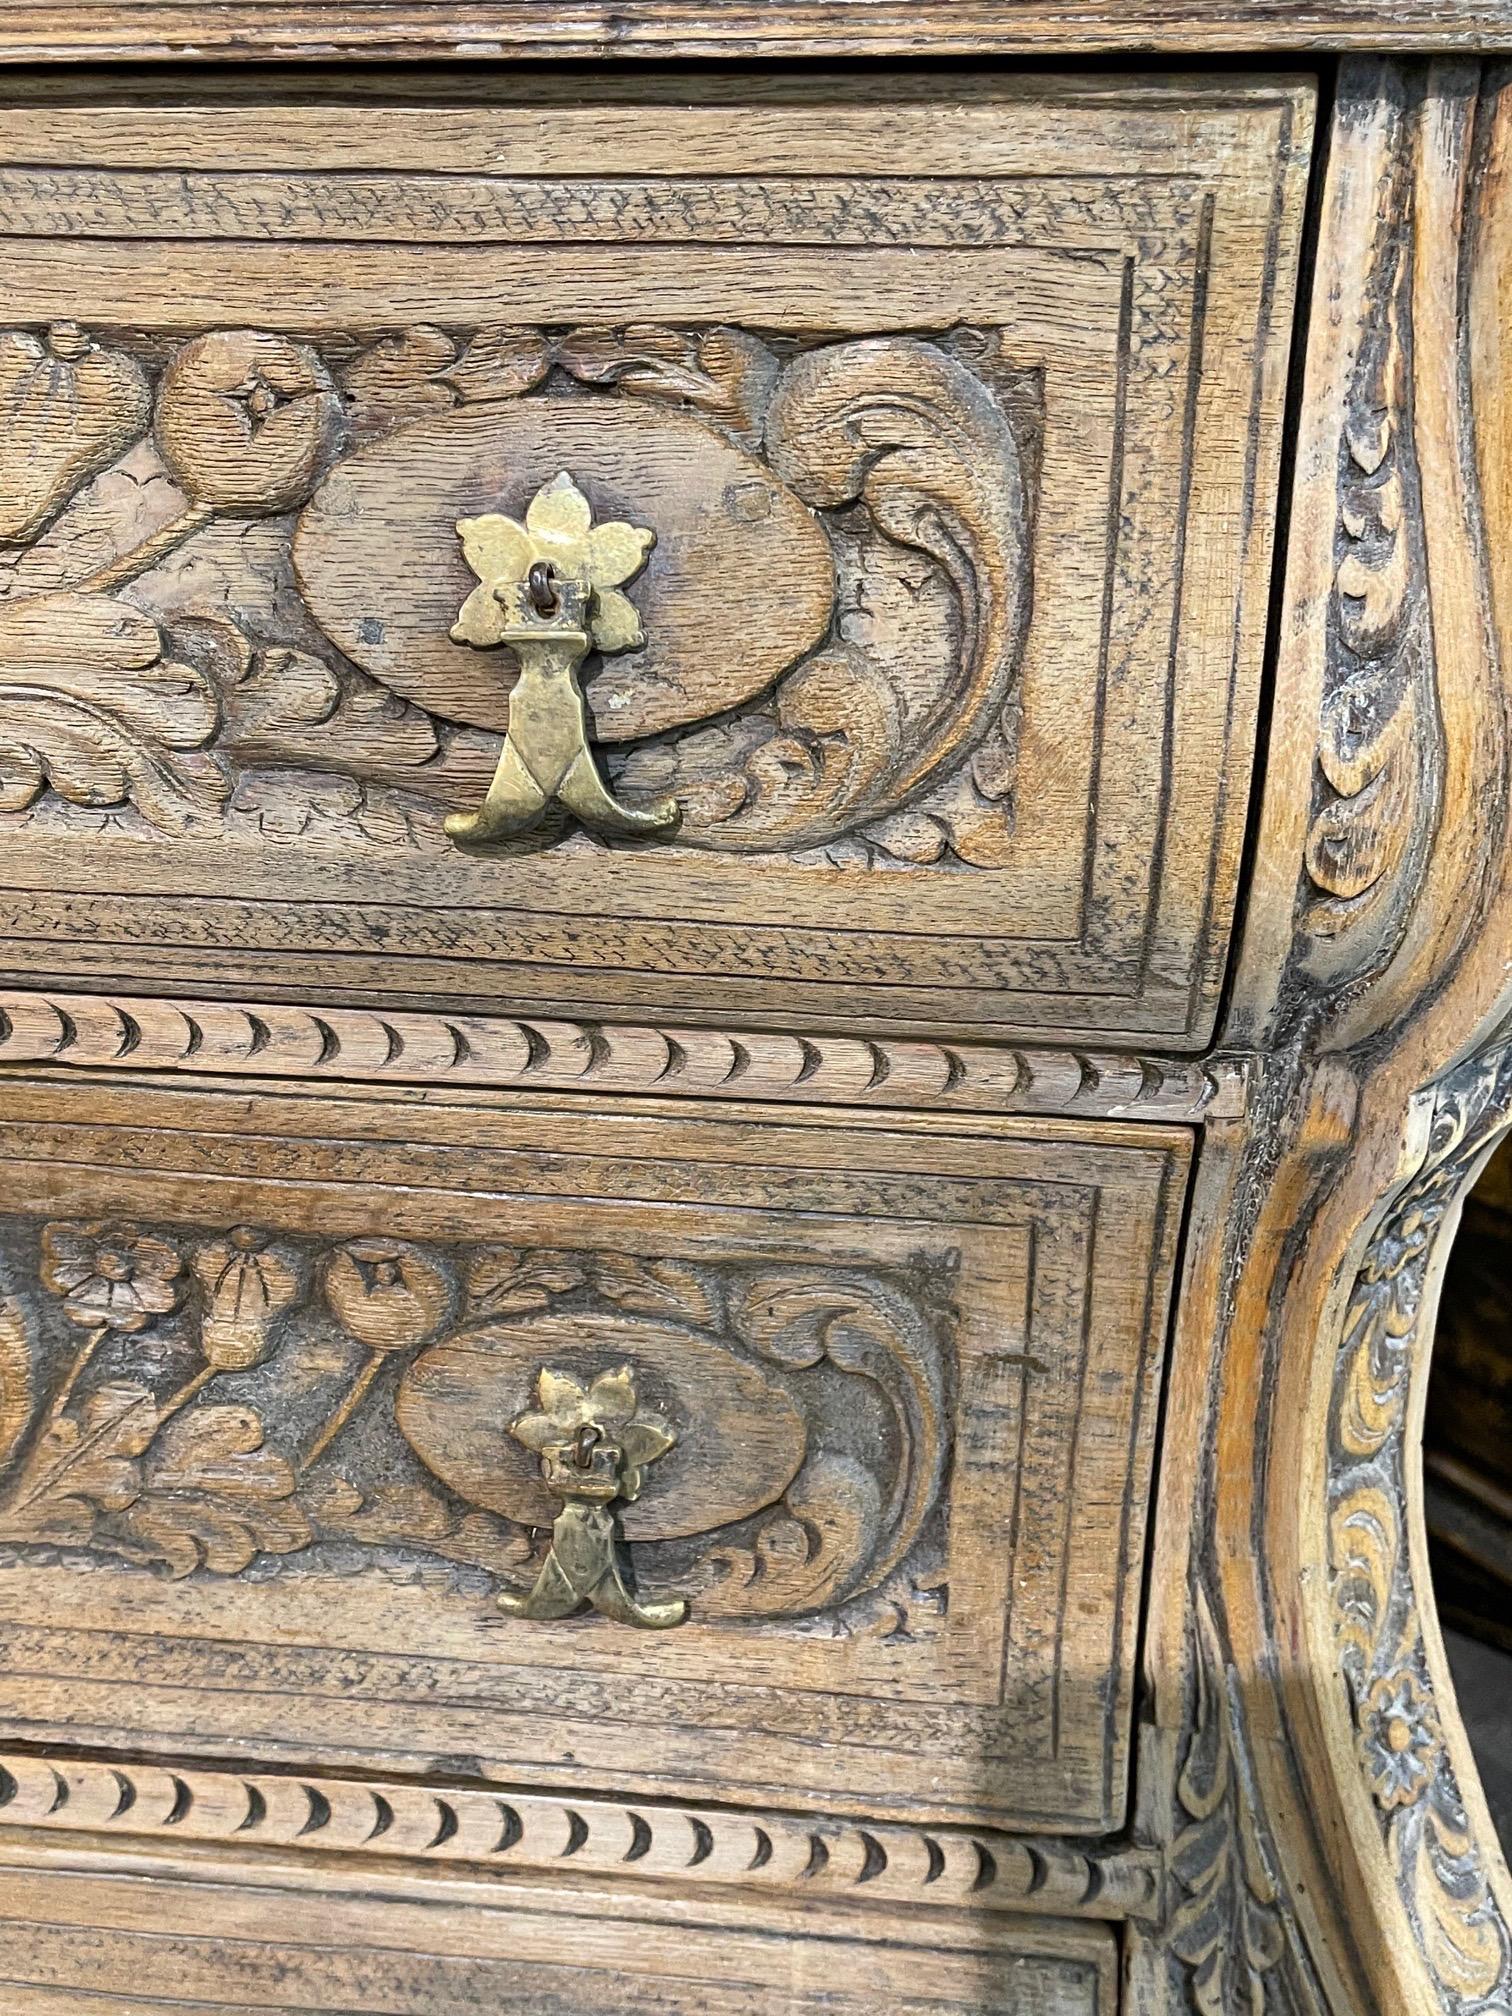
{"x":1327,"y":1842}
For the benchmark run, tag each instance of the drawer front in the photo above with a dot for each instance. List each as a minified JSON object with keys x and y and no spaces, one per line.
{"x":73,"y":1937}
{"x":304,"y":1398}
{"x":946,"y":648}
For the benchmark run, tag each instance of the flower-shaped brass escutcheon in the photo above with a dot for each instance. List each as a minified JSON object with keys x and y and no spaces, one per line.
{"x":550,"y":589}
{"x":595,"y":1445}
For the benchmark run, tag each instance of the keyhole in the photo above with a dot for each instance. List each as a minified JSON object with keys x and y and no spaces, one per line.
{"x":586,"y":1440}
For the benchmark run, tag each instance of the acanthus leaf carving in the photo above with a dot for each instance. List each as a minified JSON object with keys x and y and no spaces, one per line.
{"x":397,"y":379}
{"x":893,"y":739}
{"x":726,"y":373}
{"x":215,"y":1496}
{"x":415,"y":1518}
{"x":1227,"y":1930}
{"x":208,"y":1401}
{"x":500,"y":363}
{"x":805,"y":1320}
{"x":93,"y":708}
{"x":853,"y":737}
{"x":1403,"y":1758}
{"x":1379,"y":734}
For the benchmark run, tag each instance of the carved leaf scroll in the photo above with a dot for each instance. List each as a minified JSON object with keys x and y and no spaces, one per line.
{"x":831,"y":632}
{"x":215,"y":1496}
{"x":802,"y":1321}
{"x":1379,"y":737}
{"x":1227,"y":1929}
{"x":851,"y":738}
{"x":724,"y":373}
{"x":1378,"y":1625}
{"x":200,"y":1404}
{"x":93,"y":708}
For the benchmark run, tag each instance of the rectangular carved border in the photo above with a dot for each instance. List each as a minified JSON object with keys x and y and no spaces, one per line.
{"x":1136,"y":937}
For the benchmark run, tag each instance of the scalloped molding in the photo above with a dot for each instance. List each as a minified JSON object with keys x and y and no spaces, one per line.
{"x":588,"y":1835}
{"x":284,"y":1040}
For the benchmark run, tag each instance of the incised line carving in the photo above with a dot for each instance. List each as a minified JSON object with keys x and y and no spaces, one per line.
{"x":584,"y":1832}
{"x":95,"y":1031}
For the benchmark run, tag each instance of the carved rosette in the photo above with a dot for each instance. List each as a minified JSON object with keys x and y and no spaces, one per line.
{"x":200,"y":1402}
{"x":832,"y":615}
{"x":1375,"y":1601}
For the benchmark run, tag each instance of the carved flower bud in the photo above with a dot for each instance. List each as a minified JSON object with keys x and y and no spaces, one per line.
{"x":248,"y":1284}
{"x":387,"y":1295}
{"x":246,"y":421}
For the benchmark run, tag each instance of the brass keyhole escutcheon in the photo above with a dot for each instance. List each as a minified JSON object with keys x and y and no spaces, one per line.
{"x":595,"y":1445}
{"x":550,"y":589}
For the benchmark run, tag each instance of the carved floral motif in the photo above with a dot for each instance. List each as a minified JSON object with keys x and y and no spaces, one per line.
{"x":116,"y":1279}
{"x":246,"y":421}
{"x":194,"y":1401}
{"x":1399,"y":1739}
{"x":890,"y":738}
{"x":1377,"y":1622}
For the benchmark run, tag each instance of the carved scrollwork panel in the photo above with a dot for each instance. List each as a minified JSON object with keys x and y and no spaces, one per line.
{"x":842,"y":1406}
{"x":830,"y":1492}
{"x":875,"y":451}
{"x":912,"y":652}
{"x":1375,"y":1600}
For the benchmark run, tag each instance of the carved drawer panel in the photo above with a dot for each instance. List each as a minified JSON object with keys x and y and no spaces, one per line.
{"x":913,"y":529}
{"x":306,"y":1397}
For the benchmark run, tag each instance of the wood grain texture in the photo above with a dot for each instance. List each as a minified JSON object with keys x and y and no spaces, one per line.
{"x":99,"y":1932}
{"x":1306,"y":1760}
{"x":262,"y":1333}
{"x":961,"y":486}
{"x":286,"y":1040}
{"x":227,"y":1311}
{"x":555,"y":28}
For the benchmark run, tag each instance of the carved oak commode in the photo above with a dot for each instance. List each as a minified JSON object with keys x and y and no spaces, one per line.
{"x":754,"y":868}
